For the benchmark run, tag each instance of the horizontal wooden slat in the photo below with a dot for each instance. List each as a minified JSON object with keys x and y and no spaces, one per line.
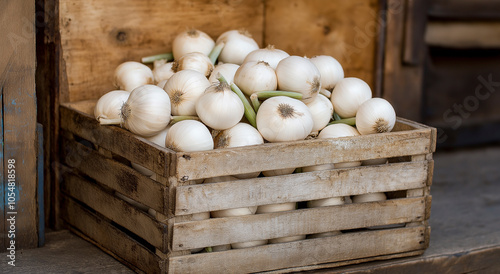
{"x":241,"y":160}
{"x":115,"y":175}
{"x":219,"y":231}
{"x":463,"y":35}
{"x":300,"y":187}
{"x":117,"y":210}
{"x":116,"y":140}
{"x":347,"y":246}
{"x":109,"y":238}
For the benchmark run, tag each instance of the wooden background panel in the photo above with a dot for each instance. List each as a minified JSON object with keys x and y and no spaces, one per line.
{"x":98,"y":35}
{"x":346,"y":30}
{"x":17,"y":68}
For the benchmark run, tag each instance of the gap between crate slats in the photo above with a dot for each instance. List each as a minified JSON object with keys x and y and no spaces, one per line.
{"x":117,"y":210}
{"x":219,"y":231}
{"x":300,"y":187}
{"x":342,"y":247}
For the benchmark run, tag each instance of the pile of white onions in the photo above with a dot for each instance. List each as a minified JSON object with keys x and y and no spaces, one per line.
{"x":228,"y":92}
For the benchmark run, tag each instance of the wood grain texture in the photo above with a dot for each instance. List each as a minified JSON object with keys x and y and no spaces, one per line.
{"x":107,"y":237}
{"x":17,"y":82}
{"x":463,"y":35}
{"x":96,"y":36}
{"x":117,"y":210}
{"x":115,"y":175}
{"x":300,"y":187}
{"x":219,"y":231}
{"x":346,"y":30}
{"x":278,"y":256}
{"x":241,"y":160}
{"x":116,"y":140}
{"x":402,"y":83}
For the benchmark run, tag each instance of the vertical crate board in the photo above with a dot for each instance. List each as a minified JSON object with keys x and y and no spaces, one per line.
{"x":417,"y":209}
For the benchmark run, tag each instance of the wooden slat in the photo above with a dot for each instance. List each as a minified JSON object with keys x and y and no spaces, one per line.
{"x":116,"y":210}
{"x":240,"y":160}
{"x":90,"y":62}
{"x":464,"y":35}
{"x":17,"y":82}
{"x":115,"y":175}
{"x":300,"y":187}
{"x":116,"y":140}
{"x":293,"y":254}
{"x":109,"y":238}
{"x":346,"y":30}
{"x":219,"y":231}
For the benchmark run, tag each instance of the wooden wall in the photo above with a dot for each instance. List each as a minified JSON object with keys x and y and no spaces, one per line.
{"x":18,"y":129}
{"x":98,"y":35}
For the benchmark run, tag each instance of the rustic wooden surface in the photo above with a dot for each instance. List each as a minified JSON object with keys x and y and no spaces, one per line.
{"x":346,"y":30}
{"x":114,"y":175}
{"x":274,"y":190}
{"x":96,"y":37}
{"x":465,"y":219}
{"x":117,"y":210}
{"x":19,"y":142}
{"x":463,"y":35}
{"x":219,"y":231}
{"x":403,"y":82}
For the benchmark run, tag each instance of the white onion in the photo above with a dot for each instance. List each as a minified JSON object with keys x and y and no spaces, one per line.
{"x":227,"y":70}
{"x":184,"y":89}
{"x":188,"y":136}
{"x":282,"y":119}
{"x":321,"y":110}
{"x":270,"y":55}
{"x":146,"y":112}
{"x":130,"y":75}
{"x":348,"y":95}
{"x":162,"y":71}
{"x":254,"y":76}
{"x":110,"y":104}
{"x":191,"y":41}
{"x":219,"y":107}
{"x":299,"y":74}
{"x":330,"y":69}
{"x":237,"y":45}
{"x":194,"y":61}
{"x":376,"y":115}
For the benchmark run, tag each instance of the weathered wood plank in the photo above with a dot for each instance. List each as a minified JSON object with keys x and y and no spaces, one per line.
{"x":307,"y":252}
{"x":17,"y":81}
{"x":240,"y":160}
{"x":116,"y":140}
{"x":90,"y":62}
{"x":116,"y":210}
{"x":398,"y":76}
{"x":110,"y":239}
{"x":219,"y":231}
{"x":346,"y":30}
{"x":463,"y":35}
{"x":300,"y":187}
{"x":115,"y":175}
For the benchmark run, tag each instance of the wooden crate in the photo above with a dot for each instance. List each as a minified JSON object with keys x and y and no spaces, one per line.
{"x":93,"y":161}
{"x":98,"y":157}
